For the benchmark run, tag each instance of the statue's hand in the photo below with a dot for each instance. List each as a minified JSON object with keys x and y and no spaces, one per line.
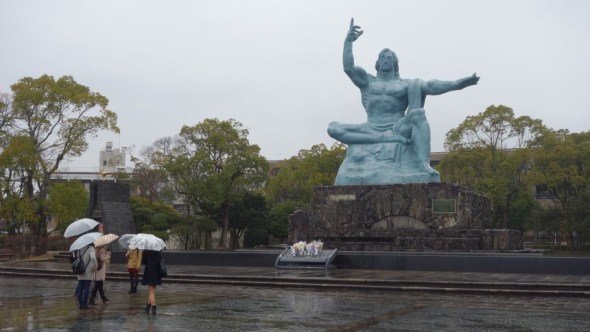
{"x":354,"y":31}
{"x":469,"y":81}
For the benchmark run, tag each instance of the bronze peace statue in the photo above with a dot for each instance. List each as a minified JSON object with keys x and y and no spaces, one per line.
{"x":393,"y":146}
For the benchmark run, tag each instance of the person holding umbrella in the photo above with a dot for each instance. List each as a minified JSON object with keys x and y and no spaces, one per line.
{"x":84,"y":245}
{"x":151,"y":276}
{"x":133,"y":256}
{"x":84,"y":280}
{"x":151,"y":258}
{"x":99,"y":275}
{"x":133,"y":266}
{"x":102,"y":259}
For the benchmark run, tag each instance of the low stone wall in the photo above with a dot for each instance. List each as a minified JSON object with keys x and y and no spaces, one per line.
{"x":402,"y":261}
{"x":417,"y":216}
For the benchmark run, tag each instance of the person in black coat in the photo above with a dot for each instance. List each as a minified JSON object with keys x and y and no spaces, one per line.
{"x":151,"y":276}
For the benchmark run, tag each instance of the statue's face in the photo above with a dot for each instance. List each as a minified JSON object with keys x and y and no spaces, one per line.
{"x":386,"y":61}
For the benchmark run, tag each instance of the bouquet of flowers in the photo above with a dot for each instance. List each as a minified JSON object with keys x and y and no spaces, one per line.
{"x":316,"y":247}
{"x":298,"y":248}
{"x":302,"y":248}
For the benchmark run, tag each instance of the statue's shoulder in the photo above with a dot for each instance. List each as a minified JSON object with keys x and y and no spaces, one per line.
{"x":414,"y":83}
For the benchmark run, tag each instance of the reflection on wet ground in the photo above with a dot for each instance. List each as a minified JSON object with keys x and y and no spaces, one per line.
{"x":48,"y":305}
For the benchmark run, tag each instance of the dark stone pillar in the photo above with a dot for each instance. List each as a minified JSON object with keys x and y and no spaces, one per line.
{"x":110,"y":204}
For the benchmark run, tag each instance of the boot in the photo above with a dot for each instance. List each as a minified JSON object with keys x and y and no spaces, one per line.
{"x":104,"y":299}
{"x":91,"y":300}
{"x":147,"y":308}
{"x":153,"y":310}
{"x":131,"y":290}
{"x":135,"y":286}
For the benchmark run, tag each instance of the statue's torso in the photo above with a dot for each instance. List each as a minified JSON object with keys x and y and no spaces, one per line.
{"x":385,"y":101}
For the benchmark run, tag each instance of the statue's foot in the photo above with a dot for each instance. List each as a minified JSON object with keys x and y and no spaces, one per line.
{"x":425,"y":167}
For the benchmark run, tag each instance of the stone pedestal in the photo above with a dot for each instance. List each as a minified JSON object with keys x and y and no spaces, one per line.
{"x":381,"y":164}
{"x":417,"y":216}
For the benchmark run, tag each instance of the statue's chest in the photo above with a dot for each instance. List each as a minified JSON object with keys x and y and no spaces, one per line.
{"x":392,"y":89}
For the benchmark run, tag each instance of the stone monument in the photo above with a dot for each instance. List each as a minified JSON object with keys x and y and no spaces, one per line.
{"x":386,"y":195}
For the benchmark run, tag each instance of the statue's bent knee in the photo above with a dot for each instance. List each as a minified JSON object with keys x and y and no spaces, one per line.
{"x":334,"y":130}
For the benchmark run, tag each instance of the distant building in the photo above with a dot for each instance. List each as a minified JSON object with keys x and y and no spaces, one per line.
{"x":112,"y":160}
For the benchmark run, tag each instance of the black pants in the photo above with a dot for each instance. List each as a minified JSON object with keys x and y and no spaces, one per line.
{"x":133,"y":281}
{"x":98,"y":286}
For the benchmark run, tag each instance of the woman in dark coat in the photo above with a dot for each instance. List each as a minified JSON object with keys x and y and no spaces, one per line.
{"x":151,"y":276}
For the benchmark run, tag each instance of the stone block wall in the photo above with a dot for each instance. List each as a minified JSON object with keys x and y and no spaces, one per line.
{"x":373,"y":211}
{"x":417,"y":216}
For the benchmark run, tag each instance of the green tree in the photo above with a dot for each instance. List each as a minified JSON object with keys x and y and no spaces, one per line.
{"x":67,"y":202}
{"x":562,"y":164}
{"x":211,"y":164}
{"x":298,"y":176}
{"x":293,"y":185}
{"x":57,"y":117}
{"x":6,"y":119}
{"x":491,"y":153}
{"x":279,"y":218}
{"x":150,"y":179}
{"x":154,"y":217}
{"x":248,"y":213}
{"x":15,"y":159}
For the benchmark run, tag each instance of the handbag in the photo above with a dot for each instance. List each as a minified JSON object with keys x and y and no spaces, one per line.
{"x":163,"y":270}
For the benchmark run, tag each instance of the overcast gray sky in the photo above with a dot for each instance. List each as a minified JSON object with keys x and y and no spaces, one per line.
{"x":276,"y":66}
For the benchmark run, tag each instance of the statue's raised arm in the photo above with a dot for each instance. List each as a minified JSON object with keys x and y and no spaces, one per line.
{"x":357,"y":74}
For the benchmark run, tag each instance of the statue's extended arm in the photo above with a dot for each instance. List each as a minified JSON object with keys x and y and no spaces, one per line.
{"x":436,"y":87}
{"x":357,"y":74}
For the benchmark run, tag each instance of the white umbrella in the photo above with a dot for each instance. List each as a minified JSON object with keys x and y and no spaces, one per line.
{"x":147,"y":242}
{"x":80,"y":226}
{"x":84,"y":240}
{"x":124,"y":240}
{"x":105,"y":239}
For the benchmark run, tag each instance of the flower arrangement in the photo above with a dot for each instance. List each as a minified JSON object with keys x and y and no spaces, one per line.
{"x":302,"y":248}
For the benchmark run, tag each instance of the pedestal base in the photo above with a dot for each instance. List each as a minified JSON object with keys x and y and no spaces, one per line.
{"x":417,"y":216}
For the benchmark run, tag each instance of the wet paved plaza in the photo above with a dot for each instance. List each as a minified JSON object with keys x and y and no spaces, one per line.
{"x":38,"y":304}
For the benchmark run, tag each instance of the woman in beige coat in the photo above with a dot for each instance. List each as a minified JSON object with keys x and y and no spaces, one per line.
{"x":100,"y":275}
